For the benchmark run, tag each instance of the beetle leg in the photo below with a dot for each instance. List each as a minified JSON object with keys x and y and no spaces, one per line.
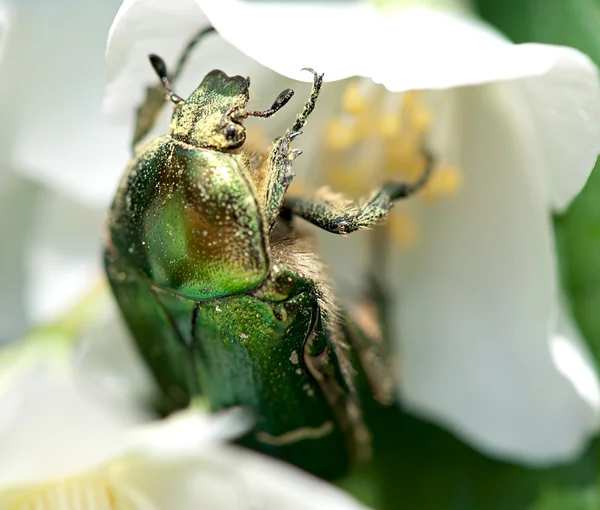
{"x":344,"y":401}
{"x":365,"y":334}
{"x":280,"y":173}
{"x":336,"y":214}
{"x":148,"y":112}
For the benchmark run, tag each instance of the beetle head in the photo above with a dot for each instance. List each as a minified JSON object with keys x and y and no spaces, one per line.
{"x":207,"y":118}
{"x":212,"y":116}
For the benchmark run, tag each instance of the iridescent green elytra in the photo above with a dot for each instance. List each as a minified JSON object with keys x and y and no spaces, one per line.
{"x":222,"y":297}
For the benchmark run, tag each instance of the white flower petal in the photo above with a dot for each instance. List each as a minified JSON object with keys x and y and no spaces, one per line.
{"x":17,"y":214}
{"x":560,"y":112}
{"x":183,"y":434}
{"x":108,"y":362}
{"x":142,"y":27}
{"x":464,"y":51}
{"x":435,"y":49}
{"x":479,"y":300}
{"x":55,"y":60}
{"x":287,"y":36}
{"x":231,"y":478}
{"x":62,"y":256}
{"x":4,"y":27}
{"x":49,"y":430}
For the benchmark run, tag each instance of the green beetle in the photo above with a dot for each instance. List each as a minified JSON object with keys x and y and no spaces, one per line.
{"x":223,"y":298}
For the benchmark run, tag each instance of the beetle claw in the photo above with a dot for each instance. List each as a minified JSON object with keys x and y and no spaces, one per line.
{"x":292,"y":134}
{"x":294,"y":154}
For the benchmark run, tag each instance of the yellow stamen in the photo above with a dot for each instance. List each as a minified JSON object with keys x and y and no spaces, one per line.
{"x":382,"y":137}
{"x":404,"y":159}
{"x":446,"y":180}
{"x":354,"y":101}
{"x":390,"y":126}
{"x":351,"y":180}
{"x":402,"y":229}
{"x":78,"y":493}
{"x":339,"y":135}
{"x":420,"y":121}
{"x":410,"y":100}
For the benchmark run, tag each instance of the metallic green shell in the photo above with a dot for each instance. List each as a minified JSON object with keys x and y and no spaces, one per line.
{"x":245,"y":350}
{"x":188,"y":220}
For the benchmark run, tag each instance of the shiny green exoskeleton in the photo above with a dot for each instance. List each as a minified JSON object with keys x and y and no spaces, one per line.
{"x":222,"y":297}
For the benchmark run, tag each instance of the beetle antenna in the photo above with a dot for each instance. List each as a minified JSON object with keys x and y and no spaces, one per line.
{"x":188,"y":50}
{"x":160,"y":68}
{"x":280,"y":101}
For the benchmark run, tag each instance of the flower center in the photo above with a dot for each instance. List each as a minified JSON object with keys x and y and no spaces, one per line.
{"x":381,"y":136}
{"x":78,"y":493}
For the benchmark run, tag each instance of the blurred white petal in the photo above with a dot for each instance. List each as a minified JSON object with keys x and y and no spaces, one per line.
{"x":62,"y":256}
{"x":4,"y":27}
{"x":142,"y":27}
{"x":231,"y":478}
{"x":17,"y":214}
{"x":49,"y":429}
{"x":182,"y":434}
{"x":55,"y":59}
{"x":108,"y":361}
{"x":57,"y":440}
{"x":479,"y":299}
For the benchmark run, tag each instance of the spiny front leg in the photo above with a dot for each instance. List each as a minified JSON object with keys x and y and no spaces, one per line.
{"x":282,"y":156}
{"x":336,"y":214}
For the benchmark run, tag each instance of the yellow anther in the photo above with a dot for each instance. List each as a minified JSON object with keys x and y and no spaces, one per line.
{"x":446,"y":180}
{"x":410,"y":101}
{"x":420,"y":120}
{"x":402,"y":229}
{"x":390,"y":126}
{"x":84,"y":493}
{"x":339,"y":135}
{"x":379,"y":138}
{"x":354,"y":101}
{"x":350,"y":180}
{"x":404,"y":159}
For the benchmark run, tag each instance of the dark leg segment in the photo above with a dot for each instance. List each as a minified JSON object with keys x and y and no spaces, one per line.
{"x":281,"y":157}
{"x":334,"y":213}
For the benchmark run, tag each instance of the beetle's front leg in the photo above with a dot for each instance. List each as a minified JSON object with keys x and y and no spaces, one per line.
{"x":282,"y":156}
{"x":336,"y":214}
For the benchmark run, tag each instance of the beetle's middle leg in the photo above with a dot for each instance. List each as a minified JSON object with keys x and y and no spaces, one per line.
{"x":336,"y":214}
{"x":280,"y":173}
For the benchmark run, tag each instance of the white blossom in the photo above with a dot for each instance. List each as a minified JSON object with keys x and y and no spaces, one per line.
{"x":484,"y":343}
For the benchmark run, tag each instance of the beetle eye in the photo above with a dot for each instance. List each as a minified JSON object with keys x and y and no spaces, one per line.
{"x":230,"y":132}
